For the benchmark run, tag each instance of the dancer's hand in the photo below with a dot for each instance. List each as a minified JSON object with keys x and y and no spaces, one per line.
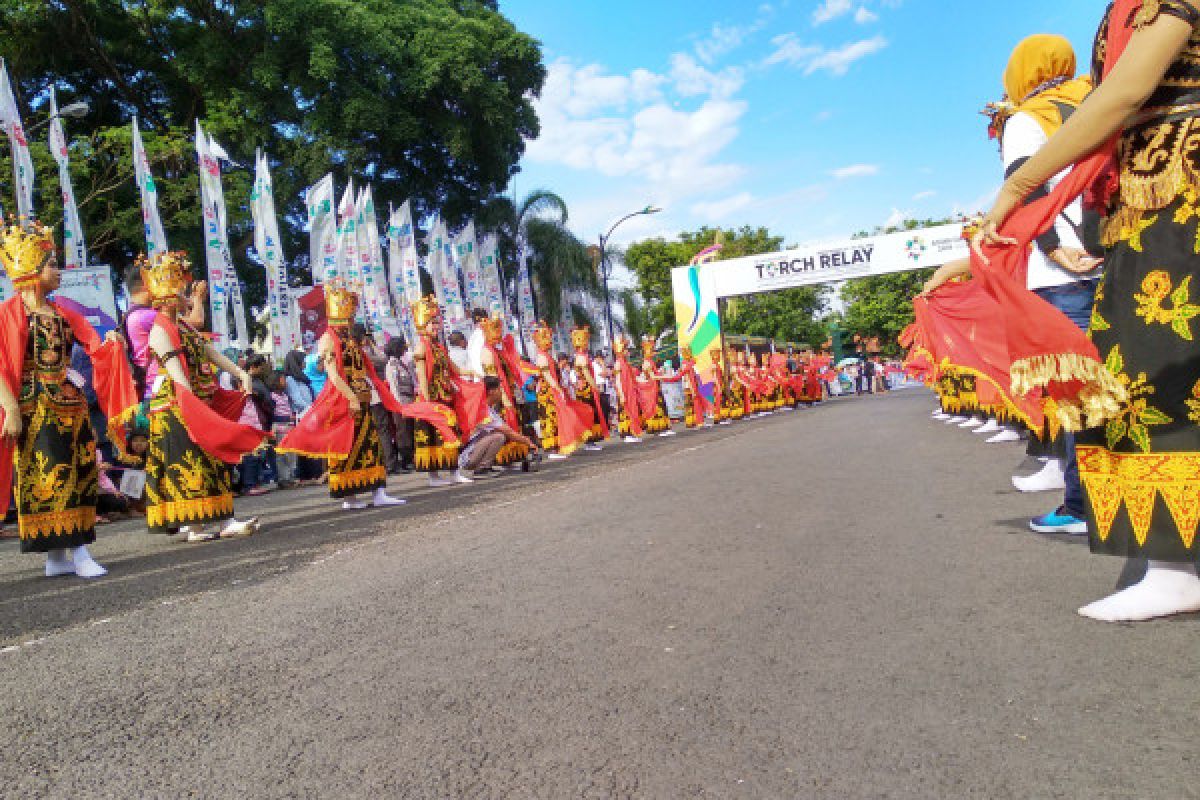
{"x":246,"y":381}
{"x":354,"y":404}
{"x":113,"y":336}
{"x":12,"y":423}
{"x":1075,"y":260}
{"x":989,"y":229}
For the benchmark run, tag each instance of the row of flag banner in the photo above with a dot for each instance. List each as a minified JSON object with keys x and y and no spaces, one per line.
{"x":345,"y":245}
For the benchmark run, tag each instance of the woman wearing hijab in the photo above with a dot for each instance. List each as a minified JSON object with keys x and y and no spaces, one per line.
{"x":1137,"y":384}
{"x":299,"y":389}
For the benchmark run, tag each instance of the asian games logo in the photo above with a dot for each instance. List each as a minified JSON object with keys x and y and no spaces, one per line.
{"x":915,"y":248}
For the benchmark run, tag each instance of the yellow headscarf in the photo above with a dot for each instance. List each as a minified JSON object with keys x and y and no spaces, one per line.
{"x":1040,"y":73}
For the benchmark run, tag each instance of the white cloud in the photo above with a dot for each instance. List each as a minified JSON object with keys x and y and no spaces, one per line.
{"x":855,"y":171}
{"x":693,"y":80}
{"x":721,"y":40}
{"x":897,"y":218}
{"x":831,"y":10}
{"x":865,"y":16}
{"x":839,"y":61}
{"x":789,"y":49}
{"x":720,"y":210}
{"x":925,"y":195}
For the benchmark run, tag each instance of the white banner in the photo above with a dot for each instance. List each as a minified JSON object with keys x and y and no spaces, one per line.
{"x":404,"y":267}
{"x":10,"y":118}
{"x":284,"y":329}
{"x":322,"y":230}
{"x":489,"y":265}
{"x":156,"y":240}
{"x":525,"y":307}
{"x":347,"y":242}
{"x":466,"y":251}
{"x":221,"y":277}
{"x":74,"y":249}
{"x":379,"y":314}
{"x":445,"y":278}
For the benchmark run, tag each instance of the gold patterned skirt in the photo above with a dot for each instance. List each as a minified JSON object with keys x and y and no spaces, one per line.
{"x":735,"y":402}
{"x":363,"y":470}
{"x":585,"y":394}
{"x":689,"y":410}
{"x":660,"y":421}
{"x":184,"y":484}
{"x":57,"y":484}
{"x":1141,"y":471}
{"x":433,"y":453}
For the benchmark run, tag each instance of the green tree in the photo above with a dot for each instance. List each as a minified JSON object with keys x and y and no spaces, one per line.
{"x":428,"y":99}
{"x":786,"y":315}
{"x":882,"y":304}
{"x":652,"y":260}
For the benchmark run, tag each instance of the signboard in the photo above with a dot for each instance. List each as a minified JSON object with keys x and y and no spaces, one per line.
{"x":698,"y":288}
{"x":86,"y":290}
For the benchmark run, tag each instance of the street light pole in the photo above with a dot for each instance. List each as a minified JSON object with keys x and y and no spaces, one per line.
{"x":605,"y":268}
{"x":72,"y":111}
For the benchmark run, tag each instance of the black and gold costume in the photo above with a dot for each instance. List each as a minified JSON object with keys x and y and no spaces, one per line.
{"x":363,"y":470}
{"x":547,"y":411}
{"x":584,"y":393}
{"x":184,"y":484}
{"x":55,"y":465}
{"x":1141,"y":471}
{"x":511,"y":452}
{"x":433,"y":453}
{"x":660,"y":421}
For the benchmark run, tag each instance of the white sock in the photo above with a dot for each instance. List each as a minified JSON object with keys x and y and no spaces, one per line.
{"x":57,"y":563}
{"x":85,"y":565}
{"x":381,"y":498}
{"x":1168,"y":588}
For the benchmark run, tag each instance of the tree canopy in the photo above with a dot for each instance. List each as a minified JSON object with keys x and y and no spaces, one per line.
{"x":428,"y":99}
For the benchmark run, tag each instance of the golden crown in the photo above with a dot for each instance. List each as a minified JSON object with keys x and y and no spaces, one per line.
{"x":425,"y":311}
{"x":25,"y":249}
{"x":685,"y":353}
{"x":341,"y":304}
{"x":493,"y":329}
{"x":648,"y":347}
{"x":167,"y":276}
{"x":581,"y":337}
{"x":620,"y":345}
{"x":543,"y":336}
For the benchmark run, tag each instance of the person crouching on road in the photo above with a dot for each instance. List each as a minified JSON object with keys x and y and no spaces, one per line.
{"x":490,"y":435}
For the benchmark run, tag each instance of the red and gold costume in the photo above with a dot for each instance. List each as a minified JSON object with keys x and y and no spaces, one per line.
{"x":500,"y":360}
{"x":695,"y":404}
{"x":54,"y":457}
{"x":736,"y":402}
{"x":654,"y":406}
{"x":629,"y":419}
{"x":193,"y":429}
{"x":586,"y":391}
{"x":564,"y":428}
{"x":720,"y":407}
{"x":349,"y":441}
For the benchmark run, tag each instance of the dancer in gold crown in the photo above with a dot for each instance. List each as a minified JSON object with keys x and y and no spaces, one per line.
{"x":657,"y":422}
{"x":721,"y":399}
{"x":46,"y":437}
{"x":193,"y":422}
{"x":629,"y":419}
{"x":435,"y":384}
{"x":563,"y":428}
{"x":504,"y":364}
{"x":586,"y":391}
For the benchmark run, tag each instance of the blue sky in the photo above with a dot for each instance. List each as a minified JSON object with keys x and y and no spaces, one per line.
{"x":815,"y":118}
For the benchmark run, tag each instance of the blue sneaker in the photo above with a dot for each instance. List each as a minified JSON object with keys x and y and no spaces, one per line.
{"x":1058,"y":521}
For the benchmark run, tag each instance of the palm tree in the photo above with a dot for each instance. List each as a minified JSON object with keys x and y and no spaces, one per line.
{"x":557,"y":259}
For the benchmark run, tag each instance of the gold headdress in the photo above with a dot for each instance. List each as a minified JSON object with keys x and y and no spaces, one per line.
{"x":648,"y":347}
{"x":425,"y":311}
{"x":493,"y":329}
{"x":581,"y":337}
{"x":685,"y":353}
{"x":543,"y":336}
{"x":341,"y":304}
{"x":167,"y":276}
{"x":620,"y":345}
{"x":24,"y":250}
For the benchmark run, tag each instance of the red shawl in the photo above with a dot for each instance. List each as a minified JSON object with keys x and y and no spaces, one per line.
{"x":1048,"y":351}
{"x":327,"y":429}
{"x":573,"y":417}
{"x":631,"y":400}
{"x":213,"y":425}
{"x":470,"y":398}
{"x":597,"y":406}
{"x":111,"y":377}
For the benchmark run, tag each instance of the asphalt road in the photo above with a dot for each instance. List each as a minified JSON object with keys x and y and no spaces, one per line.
{"x":840,"y":602}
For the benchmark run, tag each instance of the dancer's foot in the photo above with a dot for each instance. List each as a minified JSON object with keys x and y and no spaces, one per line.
{"x":1167,"y":589}
{"x":235,"y":528}
{"x":593,"y":448}
{"x":462,"y":477}
{"x":381,"y":498}
{"x":972,"y":422}
{"x":1049,"y":478}
{"x":955,"y":420}
{"x":631,"y":440}
{"x":436,"y":481}
{"x":667,"y":433}
{"x":85,"y":565}
{"x":991,"y":426}
{"x":555,"y":457}
{"x":354,"y":504}
{"x":196,"y":536}
{"x":1006,"y":435}
{"x":58,"y":563}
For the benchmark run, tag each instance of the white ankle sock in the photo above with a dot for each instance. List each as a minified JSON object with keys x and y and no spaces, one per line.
{"x":1168,"y":588}
{"x":85,"y":565}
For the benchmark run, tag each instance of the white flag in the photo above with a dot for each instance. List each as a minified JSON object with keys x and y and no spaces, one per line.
{"x":74,"y":249}
{"x":403,"y":266}
{"x":224,"y":290}
{"x":525,"y":305}
{"x":347,"y":241}
{"x":322,"y":231}
{"x":156,"y":240}
{"x":270,"y":252}
{"x":380,"y":315}
{"x":489,"y":264}
{"x":467,"y":253}
{"x":10,"y":118}
{"x":445,"y":276}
